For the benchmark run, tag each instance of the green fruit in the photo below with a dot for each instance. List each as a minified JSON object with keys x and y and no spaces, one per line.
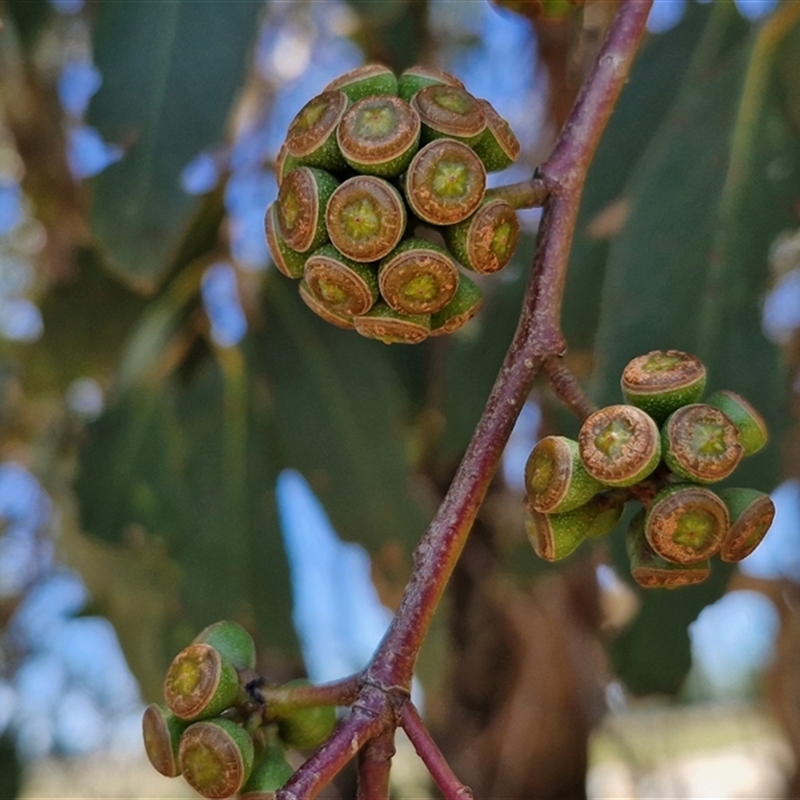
{"x":339,"y":283}
{"x":311,"y":138}
{"x":753,"y":434}
{"x":386,"y":325}
{"x":288,"y":261}
{"x":751,"y":514}
{"x":233,"y":641}
{"x":367,"y":80}
{"x":327,"y":313}
{"x":162,"y":731}
{"x":497,"y":146}
{"x":270,"y":773}
{"x":451,"y":112}
{"x":460,"y":310}
{"x":302,"y":200}
{"x":416,"y":78}
{"x":306,"y":728}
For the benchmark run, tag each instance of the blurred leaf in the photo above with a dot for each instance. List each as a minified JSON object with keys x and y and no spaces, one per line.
{"x":28,"y":18}
{"x":170,"y":72}
{"x":10,"y":769}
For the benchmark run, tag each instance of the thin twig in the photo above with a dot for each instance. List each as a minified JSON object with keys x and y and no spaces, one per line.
{"x":374,"y":764}
{"x":566,"y":388}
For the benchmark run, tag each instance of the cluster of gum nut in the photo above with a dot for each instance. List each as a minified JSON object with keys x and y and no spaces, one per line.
{"x":662,"y":448}
{"x":215,"y":728}
{"x":382,"y":194}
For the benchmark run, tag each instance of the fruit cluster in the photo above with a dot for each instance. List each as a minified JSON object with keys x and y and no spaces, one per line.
{"x":662,"y":448}
{"x":217,"y":731}
{"x":382,"y":192}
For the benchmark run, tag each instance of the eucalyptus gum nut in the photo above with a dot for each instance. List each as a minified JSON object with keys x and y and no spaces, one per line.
{"x":619,"y":445}
{"x":302,"y":200}
{"x":418,"y":277}
{"x":386,"y":325}
{"x":201,"y":683}
{"x":366,"y":218}
{"x":379,"y":135}
{"x":700,"y":443}
{"x":232,"y":640}
{"x":498,"y":146}
{"x":285,"y":162}
{"x":460,"y":310}
{"x":602,"y":513}
{"x":367,"y":80}
{"x":311,"y":137}
{"x":686,"y":523}
{"x":418,"y":77}
{"x":662,"y":381}
{"x":306,"y":728}
{"x":345,"y":286}
{"x":449,"y":111}
{"x":287,"y":261}
{"x":753,"y":434}
{"x":751,"y":513}
{"x":555,"y":536}
{"x":270,"y":773}
{"x":485,"y":242}
{"x":445,"y":182}
{"x":336,"y":318}
{"x":161,"y":731}
{"x":555,"y":478}
{"x":651,"y":571}
{"x":216,"y":757}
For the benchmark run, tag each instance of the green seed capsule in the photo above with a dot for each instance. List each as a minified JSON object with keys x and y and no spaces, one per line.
{"x":753,"y":434}
{"x":367,"y":80}
{"x":288,"y":261}
{"x":385,"y":324}
{"x":416,"y":78}
{"x":418,"y":277}
{"x":619,"y":445}
{"x":379,"y":135}
{"x":162,"y":731}
{"x":555,"y":478}
{"x":700,"y":443}
{"x":270,"y":773}
{"x":311,"y":138}
{"x":306,"y":728}
{"x":451,"y":112}
{"x":343,"y":285}
{"x":751,"y":514}
{"x":336,"y":318}
{"x":460,"y":310}
{"x":285,"y":162}
{"x":216,"y":757}
{"x":555,"y":536}
{"x":686,"y":523}
{"x":233,"y":642}
{"x":662,"y":381}
{"x":302,"y":200}
{"x":485,"y":241}
{"x":497,"y":146}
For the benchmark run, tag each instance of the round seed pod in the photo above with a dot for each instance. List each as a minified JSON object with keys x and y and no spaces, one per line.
{"x":485,"y":241}
{"x":753,"y":434}
{"x":449,"y":111}
{"x":311,"y":138}
{"x":445,"y":182}
{"x":555,"y":478}
{"x":162,"y":731}
{"x":662,"y":381}
{"x":379,"y":135}
{"x":285,"y":162}
{"x":232,"y":640}
{"x":216,"y":757}
{"x":382,"y":322}
{"x":270,"y":773}
{"x":366,"y":218}
{"x":497,"y":146}
{"x":336,"y":318}
{"x":343,"y":285}
{"x":367,"y":80}
{"x":306,"y":728}
{"x":200,"y":683}
{"x":302,"y":200}
{"x":554,"y":536}
{"x":652,"y":571}
{"x":417,"y":277}
{"x":619,"y":445}
{"x":686,"y":523}
{"x":751,"y":514}
{"x":291,"y":263}
{"x":460,"y":310}
{"x":700,"y":443}
{"x":418,"y":77}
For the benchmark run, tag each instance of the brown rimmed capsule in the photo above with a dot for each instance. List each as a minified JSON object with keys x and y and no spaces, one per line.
{"x":485,"y":241}
{"x":366,"y":218}
{"x":287,"y":261}
{"x":161,"y":731}
{"x":343,"y":285}
{"x":751,"y":513}
{"x":285,"y":162}
{"x":216,"y":757}
{"x":619,"y":445}
{"x":465,"y":304}
{"x":418,"y":77}
{"x":379,"y":135}
{"x":445,"y":182}
{"x":651,"y":571}
{"x":367,"y":80}
{"x":311,"y":138}
{"x":418,"y":277}
{"x":753,"y":434}
{"x":662,"y":381}
{"x":270,"y":773}
{"x":449,"y":111}
{"x":323,"y":311}
{"x":302,"y":200}
{"x":686,"y":523}
{"x":700,"y":443}
{"x":386,"y":325}
{"x":498,"y":146}
{"x":555,"y":478}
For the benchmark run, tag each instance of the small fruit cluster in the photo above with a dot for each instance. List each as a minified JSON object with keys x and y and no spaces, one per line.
{"x":382,"y":190}
{"x":662,"y":448}
{"x":216,"y":730}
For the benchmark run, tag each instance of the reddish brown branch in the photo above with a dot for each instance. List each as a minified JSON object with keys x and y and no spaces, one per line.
{"x":374,"y":764}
